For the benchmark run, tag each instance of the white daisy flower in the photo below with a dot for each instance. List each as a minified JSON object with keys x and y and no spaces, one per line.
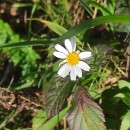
{"x":72,"y":59}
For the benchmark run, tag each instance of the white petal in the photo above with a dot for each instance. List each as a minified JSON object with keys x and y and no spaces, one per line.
{"x":68,"y":45}
{"x":59,"y":55}
{"x":78,"y":71}
{"x":61,"y":49}
{"x":84,"y":55}
{"x":73,"y":43}
{"x":77,"y":51}
{"x":83,"y":66}
{"x":62,"y":62}
{"x":64,"y":70}
{"x":73,"y":73}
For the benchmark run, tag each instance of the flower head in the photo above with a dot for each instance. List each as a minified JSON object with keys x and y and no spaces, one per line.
{"x":73,"y":61}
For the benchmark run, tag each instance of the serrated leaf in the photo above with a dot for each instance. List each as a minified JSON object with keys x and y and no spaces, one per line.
{"x":125,"y":124}
{"x":85,"y":114}
{"x":58,"y":90}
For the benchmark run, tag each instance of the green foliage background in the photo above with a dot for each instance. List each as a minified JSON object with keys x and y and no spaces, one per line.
{"x":32,"y":96}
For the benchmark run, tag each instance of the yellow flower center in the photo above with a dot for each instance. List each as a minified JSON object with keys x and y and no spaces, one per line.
{"x":72,"y":58}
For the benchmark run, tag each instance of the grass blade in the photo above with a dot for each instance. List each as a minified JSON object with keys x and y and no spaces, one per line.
{"x":100,"y":7}
{"x":87,"y":8}
{"x":58,"y":29}
{"x":54,"y":120}
{"x":28,"y":43}
{"x":93,"y":22}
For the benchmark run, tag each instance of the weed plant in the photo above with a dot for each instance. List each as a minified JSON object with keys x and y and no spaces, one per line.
{"x":33,"y":96}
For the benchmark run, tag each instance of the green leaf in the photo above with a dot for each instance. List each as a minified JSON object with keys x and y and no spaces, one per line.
{"x":27,"y":43}
{"x":5,"y":28}
{"x":18,"y":5}
{"x":54,"y":27}
{"x":57,"y":28}
{"x":75,"y":30}
{"x":85,"y":114}
{"x":3,"y":38}
{"x":22,"y":129}
{"x":39,"y":119}
{"x":100,"y":7}
{"x":93,"y":22}
{"x":26,"y":85}
{"x":125,"y":124}
{"x":54,"y":120}
{"x":125,"y":97}
{"x":86,"y":6}
{"x":123,"y":84}
{"x":58,"y":91}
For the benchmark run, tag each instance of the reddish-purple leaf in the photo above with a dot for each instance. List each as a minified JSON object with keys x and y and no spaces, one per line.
{"x":85,"y":114}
